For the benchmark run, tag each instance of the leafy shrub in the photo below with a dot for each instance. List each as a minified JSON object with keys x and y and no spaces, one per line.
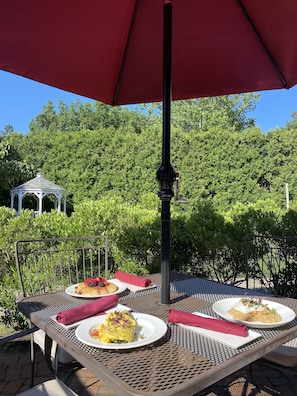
{"x":9,"y":292}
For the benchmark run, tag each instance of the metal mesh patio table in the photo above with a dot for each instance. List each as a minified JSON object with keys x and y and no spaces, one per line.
{"x":182,"y":362}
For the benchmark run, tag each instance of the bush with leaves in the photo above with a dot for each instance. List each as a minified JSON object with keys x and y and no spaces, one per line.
{"x":12,"y":228}
{"x":9,"y":292}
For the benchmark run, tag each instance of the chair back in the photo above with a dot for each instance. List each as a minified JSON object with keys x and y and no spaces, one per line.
{"x":53,"y":264}
{"x":271,"y":264}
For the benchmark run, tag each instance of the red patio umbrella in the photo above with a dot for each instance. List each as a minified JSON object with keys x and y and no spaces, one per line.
{"x":112,"y":51}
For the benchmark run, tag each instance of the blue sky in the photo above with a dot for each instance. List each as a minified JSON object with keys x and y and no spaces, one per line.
{"x":22,"y":99}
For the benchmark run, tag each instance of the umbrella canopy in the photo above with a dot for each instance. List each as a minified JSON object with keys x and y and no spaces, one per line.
{"x":112,"y":51}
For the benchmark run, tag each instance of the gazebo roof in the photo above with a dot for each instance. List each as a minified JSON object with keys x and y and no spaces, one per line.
{"x":39,"y":183}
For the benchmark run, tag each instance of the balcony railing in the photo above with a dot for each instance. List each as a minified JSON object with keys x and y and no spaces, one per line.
{"x":271,"y":264}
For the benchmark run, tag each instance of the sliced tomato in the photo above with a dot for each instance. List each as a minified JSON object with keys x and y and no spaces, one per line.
{"x":94,"y":333}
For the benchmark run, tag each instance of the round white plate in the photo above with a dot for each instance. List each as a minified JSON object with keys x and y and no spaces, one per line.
{"x":222,"y":307}
{"x":121,"y":287}
{"x":149,"y":329}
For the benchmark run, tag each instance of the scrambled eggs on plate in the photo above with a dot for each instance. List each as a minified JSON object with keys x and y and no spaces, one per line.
{"x":118,"y":327}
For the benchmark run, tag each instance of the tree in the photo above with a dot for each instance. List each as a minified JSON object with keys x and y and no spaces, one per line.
{"x":89,"y":116}
{"x":45,"y":121}
{"x":8,"y":130}
{"x":117,"y":150}
{"x":292,"y":124}
{"x":13,"y":170}
{"x":228,"y":113}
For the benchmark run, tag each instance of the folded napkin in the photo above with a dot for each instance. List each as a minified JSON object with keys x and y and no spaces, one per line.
{"x":133,"y":279}
{"x":84,"y":311}
{"x":220,"y":325}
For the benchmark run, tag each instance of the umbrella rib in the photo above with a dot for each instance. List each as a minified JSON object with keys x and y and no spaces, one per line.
{"x":117,"y":87}
{"x":273,"y":62}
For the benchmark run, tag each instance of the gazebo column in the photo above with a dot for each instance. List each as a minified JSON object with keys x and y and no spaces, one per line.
{"x":40,"y":197}
{"x":20,"y":203}
{"x":12,"y":201}
{"x":59,"y":202}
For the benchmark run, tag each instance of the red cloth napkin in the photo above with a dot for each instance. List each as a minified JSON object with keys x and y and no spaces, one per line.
{"x":86,"y":310}
{"x":222,"y":326}
{"x":133,"y":279}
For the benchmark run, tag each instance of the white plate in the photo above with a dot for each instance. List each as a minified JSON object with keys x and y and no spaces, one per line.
{"x":233,"y":341}
{"x":149,"y":328}
{"x":119,"y":307}
{"x":121,"y":287}
{"x":222,"y":307}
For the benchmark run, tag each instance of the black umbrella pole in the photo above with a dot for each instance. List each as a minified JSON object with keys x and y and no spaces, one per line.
{"x":165,"y":263}
{"x":166,"y":174}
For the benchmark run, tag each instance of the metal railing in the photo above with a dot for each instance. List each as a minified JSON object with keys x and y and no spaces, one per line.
{"x":271,"y":264}
{"x":55,"y":263}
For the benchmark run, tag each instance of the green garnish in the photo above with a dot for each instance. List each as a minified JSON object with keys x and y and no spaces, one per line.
{"x":119,"y":342}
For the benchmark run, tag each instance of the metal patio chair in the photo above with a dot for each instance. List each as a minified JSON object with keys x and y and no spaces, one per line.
{"x":52,"y":387}
{"x":268,"y":260}
{"x":53,"y":264}
{"x":285,"y":355}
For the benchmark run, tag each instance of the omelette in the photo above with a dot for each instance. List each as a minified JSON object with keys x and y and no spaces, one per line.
{"x":118,"y":327}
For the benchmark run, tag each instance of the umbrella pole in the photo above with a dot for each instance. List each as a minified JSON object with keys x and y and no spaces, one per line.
{"x":165,"y":173}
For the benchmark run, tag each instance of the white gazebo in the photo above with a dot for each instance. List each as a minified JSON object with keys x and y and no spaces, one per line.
{"x":38,"y":187}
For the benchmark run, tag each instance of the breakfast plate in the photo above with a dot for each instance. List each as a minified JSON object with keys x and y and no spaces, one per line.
{"x":149,"y":329}
{"x":121,"y":287}
{"x":222,"y":307}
